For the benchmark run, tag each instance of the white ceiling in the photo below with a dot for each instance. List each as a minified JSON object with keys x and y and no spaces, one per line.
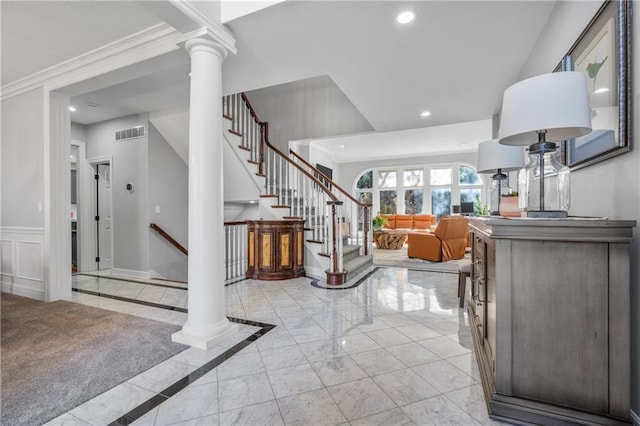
{"x":39,"y":34}
{"x":454,"y":60}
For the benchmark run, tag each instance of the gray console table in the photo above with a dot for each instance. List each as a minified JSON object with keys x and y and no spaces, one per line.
{"x":550,"y":309}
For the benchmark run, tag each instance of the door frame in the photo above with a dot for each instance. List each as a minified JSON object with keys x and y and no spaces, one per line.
{"x":89,"y":239}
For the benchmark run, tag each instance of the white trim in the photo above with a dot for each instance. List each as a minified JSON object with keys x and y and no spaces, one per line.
{"x":635,"y":418}
{"x":100,"y":160}
{"x":23,"y":282}
{"x":86,"y":249}
{"x":23,"y":291}
{"x":10,"y":253}
{"x":216,"y":31}
{"x":148,"y":43}
{"x":21,"y":230}
{"x":18,"y":270}
{"x":129,"y":273}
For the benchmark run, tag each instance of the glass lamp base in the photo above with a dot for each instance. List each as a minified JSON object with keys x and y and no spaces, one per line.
{"x":547,"y":213}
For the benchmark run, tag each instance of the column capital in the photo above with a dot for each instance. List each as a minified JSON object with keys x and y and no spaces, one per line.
{"x":207,"y":45}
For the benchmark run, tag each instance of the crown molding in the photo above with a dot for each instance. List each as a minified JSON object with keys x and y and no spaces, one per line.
{"x":215,"y":30}
{"x":148,"y":43}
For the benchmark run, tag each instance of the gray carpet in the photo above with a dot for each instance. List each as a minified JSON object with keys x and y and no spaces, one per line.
{"x":399,"y":259}
{"x":57,"y":355}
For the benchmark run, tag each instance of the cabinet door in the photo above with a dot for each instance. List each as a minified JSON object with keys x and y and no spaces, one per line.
{"x":490,"y":306}
{"x":479,"y":284}
{"x":267,"y":250}
{"x":285,"y":250}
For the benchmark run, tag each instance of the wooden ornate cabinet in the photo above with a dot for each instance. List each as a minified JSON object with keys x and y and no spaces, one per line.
{"x":550,"y":312}
{"x":276,"y":249}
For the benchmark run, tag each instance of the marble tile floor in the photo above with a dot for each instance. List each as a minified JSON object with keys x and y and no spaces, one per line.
{"x":394,"y":350}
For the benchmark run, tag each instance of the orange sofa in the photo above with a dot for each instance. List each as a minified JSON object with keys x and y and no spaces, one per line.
{"x":409,"y":222}
{"x":447,"y":242}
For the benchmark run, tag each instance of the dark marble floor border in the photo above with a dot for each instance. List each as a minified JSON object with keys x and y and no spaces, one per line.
{"x":130,"y":280}
{"x":127,"y":299}
{"x":182,"y":383}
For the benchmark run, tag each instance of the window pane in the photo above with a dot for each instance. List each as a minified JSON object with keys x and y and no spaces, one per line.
{"x":387,"y":179}
{"x":413,"y":201}
{"x":388,"y":202}
{"x":468,"y":176}
{"x":366,"y":198}
{"x":441,"y":202}
{"x":441,"y":176}
{"x":469,"y":195}
{"x":366,"y":180}
{"x":413,"y":178}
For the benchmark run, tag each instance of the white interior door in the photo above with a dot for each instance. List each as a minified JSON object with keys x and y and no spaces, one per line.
{"x":105,"y":217}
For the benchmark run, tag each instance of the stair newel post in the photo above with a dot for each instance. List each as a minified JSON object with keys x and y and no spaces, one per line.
{"x":336,"y":275}
{"x":365,"y":227}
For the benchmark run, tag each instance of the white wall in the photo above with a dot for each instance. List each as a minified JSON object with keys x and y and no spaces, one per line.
{"x":130,"y":211}
{"x":168,"y":191}
{"x":610,"y":188}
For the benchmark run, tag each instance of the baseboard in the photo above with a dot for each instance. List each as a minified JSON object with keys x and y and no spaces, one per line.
{"x":130,"y":273}
{"x":19,"y":290}
{"x":635,"y":418}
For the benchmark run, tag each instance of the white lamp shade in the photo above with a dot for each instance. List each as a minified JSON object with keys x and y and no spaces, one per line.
{"x":556,"y":102}
{"x":493,"y":156}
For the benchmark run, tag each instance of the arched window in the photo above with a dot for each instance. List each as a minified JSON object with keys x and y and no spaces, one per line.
{"x":430,"y":189}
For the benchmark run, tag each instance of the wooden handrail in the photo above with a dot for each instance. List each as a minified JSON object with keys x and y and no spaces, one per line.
{"x":335,"y":185}
{"x":265,"y":126}
{"x":168,"y":237}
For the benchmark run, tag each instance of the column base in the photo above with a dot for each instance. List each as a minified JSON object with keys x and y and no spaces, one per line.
{"x":204,"y":340}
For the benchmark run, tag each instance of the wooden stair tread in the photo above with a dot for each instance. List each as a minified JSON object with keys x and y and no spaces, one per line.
{"x":244,"y":148}
{"x":235,"y":133}
{"x":268,"y":196}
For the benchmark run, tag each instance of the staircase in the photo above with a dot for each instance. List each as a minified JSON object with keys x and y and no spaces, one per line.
{"x":338,"y":235}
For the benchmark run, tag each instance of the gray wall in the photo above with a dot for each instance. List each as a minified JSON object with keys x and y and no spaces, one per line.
{"x":311,"y":108}
{"x":78,"y":132}
{"x":610,"y":188}
{"x":23,"y":160}
{"x":169,"y":190}
{"x":130,"y":164}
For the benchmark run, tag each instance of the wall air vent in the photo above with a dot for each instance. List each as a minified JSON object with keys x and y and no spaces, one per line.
{"x":132,"y":133}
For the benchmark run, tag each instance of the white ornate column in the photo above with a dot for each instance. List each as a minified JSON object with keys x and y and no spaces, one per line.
{"x":206,"y":319}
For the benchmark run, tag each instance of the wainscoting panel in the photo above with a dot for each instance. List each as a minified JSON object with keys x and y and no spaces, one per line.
{"x":6,"y":258}
{"x":22,"y":261}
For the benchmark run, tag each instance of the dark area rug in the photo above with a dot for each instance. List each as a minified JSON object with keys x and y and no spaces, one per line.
{"x":57,"y":355}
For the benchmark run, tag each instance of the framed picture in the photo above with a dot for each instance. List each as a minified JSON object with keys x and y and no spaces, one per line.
{"x":603,"y":53}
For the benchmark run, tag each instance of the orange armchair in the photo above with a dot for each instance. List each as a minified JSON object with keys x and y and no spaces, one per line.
{"x":447,"y":242}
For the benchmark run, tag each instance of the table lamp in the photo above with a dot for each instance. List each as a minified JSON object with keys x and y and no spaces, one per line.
{"x":498,"y":159}
{"x":538,"y":112}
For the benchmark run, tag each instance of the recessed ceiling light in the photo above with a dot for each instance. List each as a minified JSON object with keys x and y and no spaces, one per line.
{"x":342,"y":146}
{"x":405,"y":17}
{"x":425,"y":114}
{"x":601,"y":90}
{"x":72,"y":108}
